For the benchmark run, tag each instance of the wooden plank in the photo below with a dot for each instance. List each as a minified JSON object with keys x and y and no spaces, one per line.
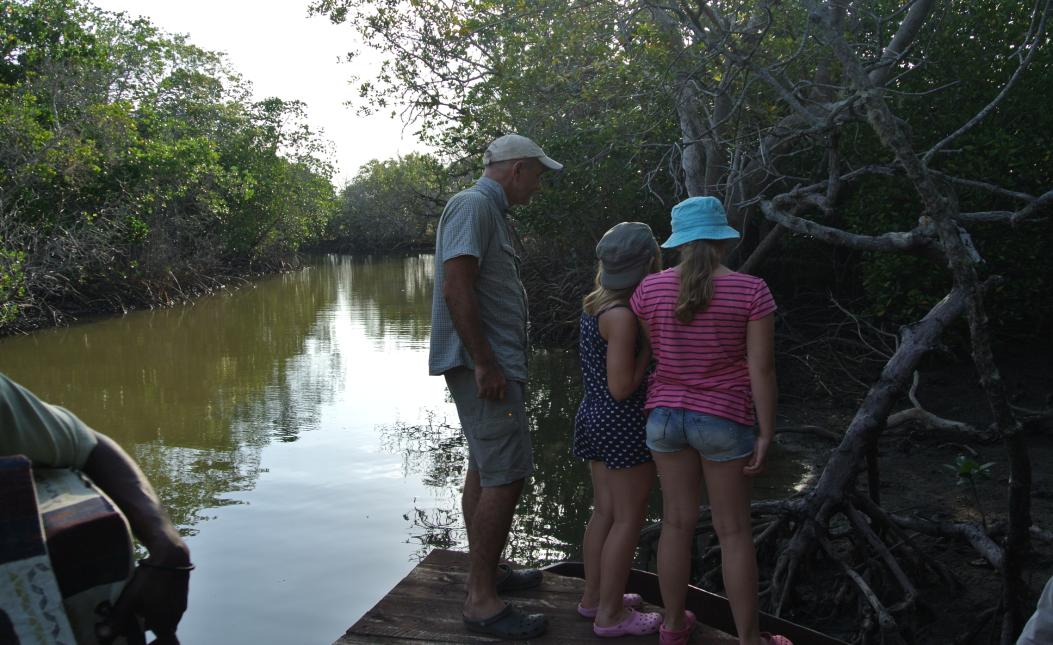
{"x":708,"y":606}
{"x":425,"y":607}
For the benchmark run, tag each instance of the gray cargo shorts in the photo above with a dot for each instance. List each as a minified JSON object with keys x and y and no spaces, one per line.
{"x":497,"y":431}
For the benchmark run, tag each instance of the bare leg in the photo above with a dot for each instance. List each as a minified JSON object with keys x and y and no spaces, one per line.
{"x":730,"y":505}
{"x":596,"y":534}
{"x":680,"y":476}
{"x":469,"y":500}
{"x":488,"y":531}
{"x":628,"y":491}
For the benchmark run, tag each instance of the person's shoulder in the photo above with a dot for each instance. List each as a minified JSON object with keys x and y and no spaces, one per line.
{"x":470,"y":205}
{"x":615,"y":319}
{"x":469,"y":197}
{"x":618,"y":312}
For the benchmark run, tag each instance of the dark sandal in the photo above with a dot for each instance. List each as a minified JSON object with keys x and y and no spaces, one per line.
{"x":509,"y":624}
{"x":509,"y":579}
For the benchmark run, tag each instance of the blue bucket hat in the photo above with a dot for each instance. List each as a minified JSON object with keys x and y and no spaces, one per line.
{"x":699,"y":218}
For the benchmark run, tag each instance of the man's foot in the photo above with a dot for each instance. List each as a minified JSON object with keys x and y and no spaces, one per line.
{"x":509,"y":579}
{"x":510,"y":624}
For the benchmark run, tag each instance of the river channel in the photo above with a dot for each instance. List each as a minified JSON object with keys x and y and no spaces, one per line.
{"x":294,"y":434}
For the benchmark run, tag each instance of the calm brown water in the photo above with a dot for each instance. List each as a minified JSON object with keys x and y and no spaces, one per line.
{"x":295,"y":436}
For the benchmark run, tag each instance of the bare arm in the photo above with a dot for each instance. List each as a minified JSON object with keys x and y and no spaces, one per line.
{"x":54,"y":437}
{"x":114,"y":471}
{"x":625,"y":367}
{"x":760,"y":356}
{"x":158,"y":589}
{"x":458,"y":290}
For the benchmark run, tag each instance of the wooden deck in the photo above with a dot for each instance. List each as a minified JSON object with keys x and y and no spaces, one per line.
{"x":426,"y":608}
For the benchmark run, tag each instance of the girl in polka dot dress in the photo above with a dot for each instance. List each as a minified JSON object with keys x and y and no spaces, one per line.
{"x":609,"y":429}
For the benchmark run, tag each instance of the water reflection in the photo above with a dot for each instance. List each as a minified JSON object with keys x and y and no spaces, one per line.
{"x":258,"y":409}
{"x":391,"y":302}
{"x":549,"y":524}
{"x":298,"y":413}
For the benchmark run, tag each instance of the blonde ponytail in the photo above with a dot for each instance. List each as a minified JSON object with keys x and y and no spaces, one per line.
{"x":698,"y":261}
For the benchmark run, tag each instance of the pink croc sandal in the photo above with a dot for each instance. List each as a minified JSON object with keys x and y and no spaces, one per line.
{"x":775,"y":639}
{"x":628,"y":600}
{"x":677,"y":636}
{"x":637,"y":623}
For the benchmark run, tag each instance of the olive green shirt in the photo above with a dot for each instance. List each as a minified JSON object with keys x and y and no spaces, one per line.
{"x":47,"y":434}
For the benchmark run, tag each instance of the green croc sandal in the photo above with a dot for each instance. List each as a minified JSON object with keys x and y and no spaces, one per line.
{"x":509,"y":579}
{"x":510,"y":624}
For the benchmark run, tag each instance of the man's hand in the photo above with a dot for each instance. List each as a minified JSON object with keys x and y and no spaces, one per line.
{"x":490,"y":382}
{"x":158,"y":595}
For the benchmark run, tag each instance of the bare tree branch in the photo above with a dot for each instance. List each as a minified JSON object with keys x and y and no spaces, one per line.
{"x":914,"y":241}
{"x":1035,"y":37}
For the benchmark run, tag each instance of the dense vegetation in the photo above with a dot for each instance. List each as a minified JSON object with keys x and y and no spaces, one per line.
{"x":136,"y":170}
{"x":601,"y":86}
{"x":888,"y":164}
{"x":887,"y":161}
{"x":390,"y":206}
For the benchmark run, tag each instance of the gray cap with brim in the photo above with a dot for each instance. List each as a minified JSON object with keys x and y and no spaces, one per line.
{"x":514,"y":146}
{"x":626,"y":252}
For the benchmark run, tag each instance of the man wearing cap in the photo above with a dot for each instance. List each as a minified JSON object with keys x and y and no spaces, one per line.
{"x":479,"y":344}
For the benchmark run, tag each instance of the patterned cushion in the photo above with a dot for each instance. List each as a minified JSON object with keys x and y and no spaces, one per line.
{"x":65,"y":547}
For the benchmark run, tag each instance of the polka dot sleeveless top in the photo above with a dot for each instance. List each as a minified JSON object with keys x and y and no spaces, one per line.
{"x":605,"y":429}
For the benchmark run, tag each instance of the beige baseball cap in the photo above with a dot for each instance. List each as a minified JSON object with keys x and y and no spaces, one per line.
{"x":514,"y":146}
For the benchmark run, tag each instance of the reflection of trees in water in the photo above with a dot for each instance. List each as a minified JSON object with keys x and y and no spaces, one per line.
{"x":438,"y":452}
{"x":196,"y":392}
{"x":190,"y":481}
{"x":550,"y":520}
{"x":391,"y":296}
{"x":436,"y":528}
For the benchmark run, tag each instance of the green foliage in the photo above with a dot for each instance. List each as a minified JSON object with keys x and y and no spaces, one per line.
{"x":391,"y":205}
{"x":970,"y":55}
{"x":133,"y":162}
{"x":598,"y":85}
{"x":584,"y":79}
{"x":12,"y":287}
{"x":966,"y":469}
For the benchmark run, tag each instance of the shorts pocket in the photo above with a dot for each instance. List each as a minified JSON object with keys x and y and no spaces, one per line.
{"x":719,"y":439}
{"x":657,"y":423}
{"x":499,"y":419}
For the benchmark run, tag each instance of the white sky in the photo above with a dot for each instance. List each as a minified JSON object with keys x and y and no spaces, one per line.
{"x":284,"y":52}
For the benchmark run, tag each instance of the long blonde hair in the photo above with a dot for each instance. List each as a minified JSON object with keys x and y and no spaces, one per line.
{"x":600,"y":298}
{"x":698,"y":260}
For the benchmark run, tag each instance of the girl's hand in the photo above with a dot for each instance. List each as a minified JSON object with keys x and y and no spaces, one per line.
{"x":758,"y":460}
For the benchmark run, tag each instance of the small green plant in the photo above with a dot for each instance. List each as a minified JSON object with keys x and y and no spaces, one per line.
{"x":968,"y":470}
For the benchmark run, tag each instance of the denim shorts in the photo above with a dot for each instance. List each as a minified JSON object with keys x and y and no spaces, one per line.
{"x":716,"y":438}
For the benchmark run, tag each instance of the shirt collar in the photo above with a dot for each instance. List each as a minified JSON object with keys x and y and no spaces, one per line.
{"x":494,"y":191}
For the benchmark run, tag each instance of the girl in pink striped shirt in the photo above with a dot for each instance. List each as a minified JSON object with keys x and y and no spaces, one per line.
{"x":712,"y":333}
